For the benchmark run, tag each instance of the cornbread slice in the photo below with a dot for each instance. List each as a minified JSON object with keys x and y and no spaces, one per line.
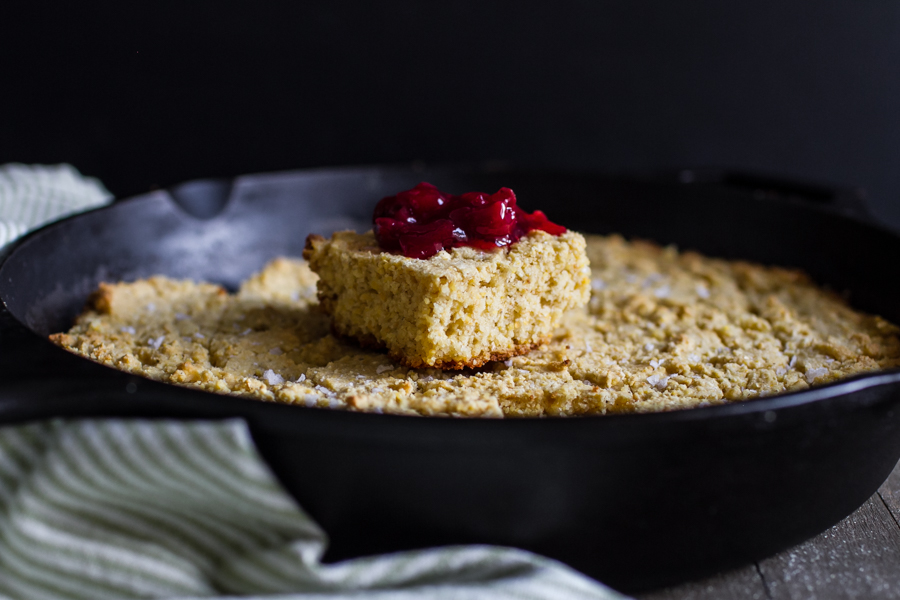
{"x":457,"y":309}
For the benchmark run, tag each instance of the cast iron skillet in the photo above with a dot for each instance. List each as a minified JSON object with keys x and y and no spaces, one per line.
{"x":637,"y":501}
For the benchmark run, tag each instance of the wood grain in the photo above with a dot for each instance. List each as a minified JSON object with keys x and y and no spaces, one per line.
{"x":890,"y":493}
{"x":857,"y":558}
{"x":740,"y":584}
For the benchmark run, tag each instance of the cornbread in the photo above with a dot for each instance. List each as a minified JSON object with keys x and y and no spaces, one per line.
{"x":461,"y":308}
{"x":663,"y":330}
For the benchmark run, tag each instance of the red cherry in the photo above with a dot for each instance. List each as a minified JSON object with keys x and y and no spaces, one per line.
{"x":422,"y":221}
{"x":424,"y":241}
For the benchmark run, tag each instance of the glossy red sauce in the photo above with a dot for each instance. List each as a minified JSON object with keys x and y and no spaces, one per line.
{"x":422,"y":221}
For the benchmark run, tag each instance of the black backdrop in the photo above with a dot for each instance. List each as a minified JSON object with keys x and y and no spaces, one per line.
{"x":150,"y":94}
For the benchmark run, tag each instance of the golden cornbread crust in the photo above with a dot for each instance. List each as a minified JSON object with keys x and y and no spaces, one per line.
{"x":663,"y":330}
{"x":458,"y":309}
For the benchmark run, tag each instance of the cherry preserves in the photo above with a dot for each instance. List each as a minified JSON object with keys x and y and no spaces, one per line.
{"x":422,"y":221}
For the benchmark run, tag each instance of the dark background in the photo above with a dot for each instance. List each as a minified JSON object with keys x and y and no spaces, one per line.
{"x":150,"y":94}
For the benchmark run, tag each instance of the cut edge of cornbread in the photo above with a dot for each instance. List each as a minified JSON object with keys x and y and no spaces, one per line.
{"x":369,"y":342}
{"x":458,"y":309}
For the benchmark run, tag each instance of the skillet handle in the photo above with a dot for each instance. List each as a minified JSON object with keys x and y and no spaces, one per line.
{"x":845,"y":200}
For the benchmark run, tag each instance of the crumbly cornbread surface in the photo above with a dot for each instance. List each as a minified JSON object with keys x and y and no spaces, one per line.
{"x":663,"y":330}
{"x":457,"y":309}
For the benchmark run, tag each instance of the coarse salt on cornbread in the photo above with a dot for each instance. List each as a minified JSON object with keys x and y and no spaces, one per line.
{"x":456,"y":309}
{"x":663,"y":330}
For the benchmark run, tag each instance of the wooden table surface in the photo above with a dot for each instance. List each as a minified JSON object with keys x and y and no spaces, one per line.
{"x":857,"y":558}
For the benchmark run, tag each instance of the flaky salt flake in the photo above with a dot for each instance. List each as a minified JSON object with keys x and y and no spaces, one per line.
{"x":508,"y":362}
{"x":382,"y":368}
{"x":659,"y":381}
{"x":662,"y":292}
{"x":151,"y":307}
{"x":180,"y":316}
{"x":814,"y":374}
{"x":780,"y":371}
{"x":324,"y":390}
{"x":246,"y":331}
{"x":156,"y":343}
{"x":430,"y":378}
{"x":693,"y":358}
{"x":702,"y":291}
{"x":128,"y":329}
{"x":654,"y":363}
{"x":377,"y":390}
{"x":652,"y":279}
{"x":276,"y":351}
{"x":295,"y":296}
{"x":310,"y":400}
{"x":199,"y":335}
{"x":273,"y":378}
{"x":793,"y":362}
{"x":598,"y":284}
{"x":648,"y":347}
{"x":302,"y":378}
{"x":588,"y":348}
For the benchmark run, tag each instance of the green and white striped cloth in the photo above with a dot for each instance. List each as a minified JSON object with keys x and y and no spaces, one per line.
{"x":32,"y":195}
{"x":144,"y":509}
{"x":99,"y":509}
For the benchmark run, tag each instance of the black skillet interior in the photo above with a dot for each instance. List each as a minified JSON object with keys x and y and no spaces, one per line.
{"x":636,"y":501}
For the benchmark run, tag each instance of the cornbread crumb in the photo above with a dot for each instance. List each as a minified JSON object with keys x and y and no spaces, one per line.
{"x":457,"y":309}
{"x":717,"y":332}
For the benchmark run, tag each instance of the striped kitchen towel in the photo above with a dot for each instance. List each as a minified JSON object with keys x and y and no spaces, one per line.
{"x":32,"y":195}
{"x":101,"y":509}
{"x":153,"y":509}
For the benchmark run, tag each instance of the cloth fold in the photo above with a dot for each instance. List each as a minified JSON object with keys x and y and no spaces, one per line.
{"x":109,"y":509}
